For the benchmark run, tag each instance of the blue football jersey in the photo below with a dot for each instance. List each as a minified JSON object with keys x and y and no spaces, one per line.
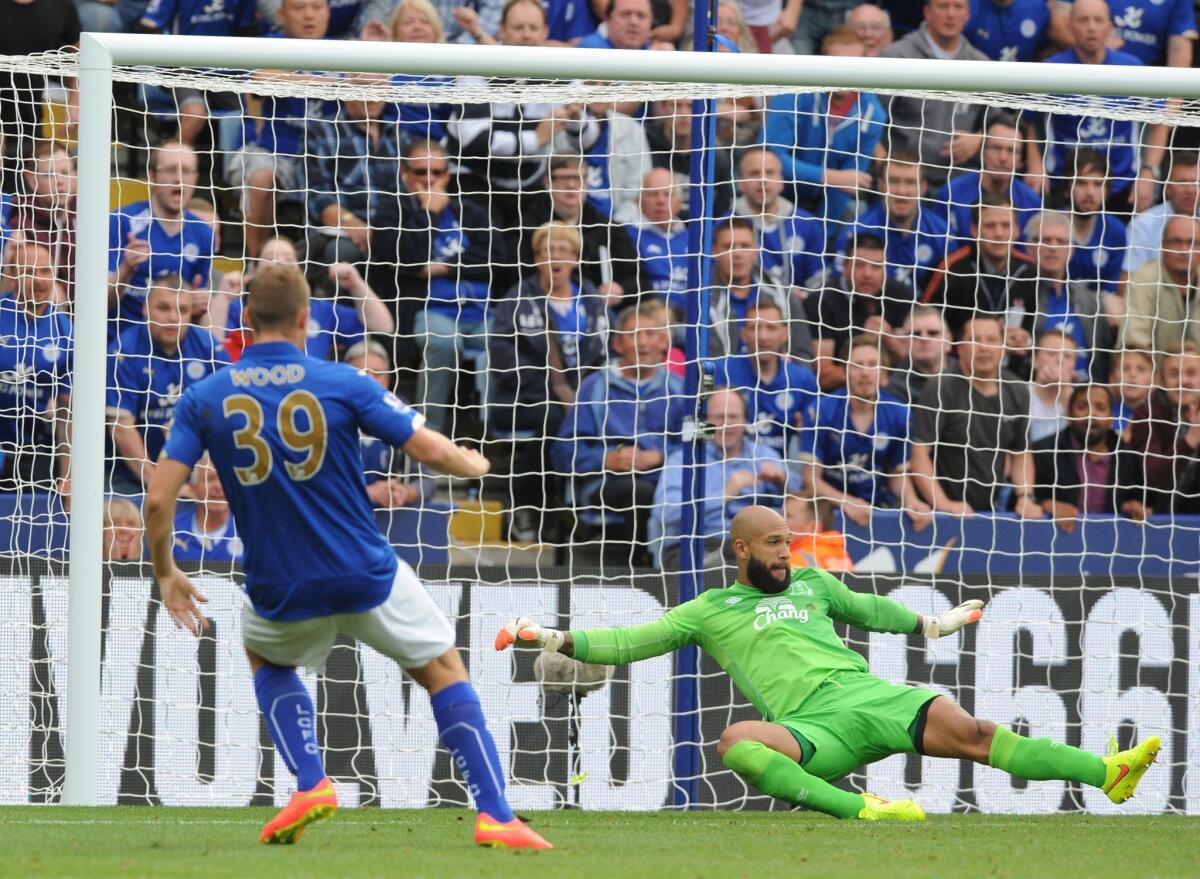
{"x":282,"y":429}
{"x":958,"y":199}
{"x":188,"y":254}
{"x":1098,"y":262}
{"x":1115,"y":139}
{"x":35,"y":368}
{"x":213,"y":18}
{"x":569,"y":19}
{"x":909,"y":254}
{"x":1146,"y":25}
{"x":145,"y":383}
{"x":192,"y":545}
{"x":664,"y":259}
{"x":777,"y":409}
{"x":330,"y":326}
{"x":858,"y":463}
{"x":790,"y":248}
{"x":1014,"y":32}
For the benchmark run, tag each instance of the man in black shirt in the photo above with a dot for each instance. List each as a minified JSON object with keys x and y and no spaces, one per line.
{"x":859,"y":298}
{"x":28,"y":26}
{"x":970,"y":430}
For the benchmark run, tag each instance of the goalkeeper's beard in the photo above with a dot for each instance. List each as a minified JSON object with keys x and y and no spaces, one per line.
{"x":762,"y":579}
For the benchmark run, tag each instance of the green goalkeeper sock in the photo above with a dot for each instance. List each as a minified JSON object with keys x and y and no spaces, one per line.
{"x":777,"y":775}
{"x":1040,"y":759}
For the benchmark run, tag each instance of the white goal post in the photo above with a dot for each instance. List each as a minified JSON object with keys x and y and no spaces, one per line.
{"x":100,"y":53}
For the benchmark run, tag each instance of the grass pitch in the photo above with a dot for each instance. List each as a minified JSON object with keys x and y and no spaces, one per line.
{"x":436,"y":843}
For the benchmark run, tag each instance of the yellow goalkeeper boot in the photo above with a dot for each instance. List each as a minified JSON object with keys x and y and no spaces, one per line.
{"x":879,"y":809}
{"x":1124,"y":769}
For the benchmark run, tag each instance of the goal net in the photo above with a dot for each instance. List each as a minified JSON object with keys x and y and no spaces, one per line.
{"x":952,"y":337}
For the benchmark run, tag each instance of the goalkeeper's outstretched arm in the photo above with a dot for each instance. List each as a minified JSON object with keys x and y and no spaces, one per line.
{"x":615,"y":646}
{"x":875,"y":613}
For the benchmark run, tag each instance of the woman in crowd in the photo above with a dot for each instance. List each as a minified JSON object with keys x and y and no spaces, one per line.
{"x":549,"y":333}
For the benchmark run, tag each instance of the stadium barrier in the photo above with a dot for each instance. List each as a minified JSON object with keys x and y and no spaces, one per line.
{"x":1059,"y":658}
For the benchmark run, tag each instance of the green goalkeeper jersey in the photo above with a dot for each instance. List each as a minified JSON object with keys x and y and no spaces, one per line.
{"x":777,"y":648}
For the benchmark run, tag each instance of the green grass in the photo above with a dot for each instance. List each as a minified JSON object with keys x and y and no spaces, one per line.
{"x":436,"y":843}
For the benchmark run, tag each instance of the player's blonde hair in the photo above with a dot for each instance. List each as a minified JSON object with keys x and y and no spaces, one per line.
{"x":277,"y":295}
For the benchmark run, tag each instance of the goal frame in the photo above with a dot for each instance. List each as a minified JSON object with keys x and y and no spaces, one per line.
{"x":99,"y":53}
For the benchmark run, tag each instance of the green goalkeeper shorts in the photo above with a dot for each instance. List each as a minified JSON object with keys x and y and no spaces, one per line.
{"x":855,"y":718}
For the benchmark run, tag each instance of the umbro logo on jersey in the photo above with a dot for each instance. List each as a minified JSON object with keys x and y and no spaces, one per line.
{"x":734,"y":600}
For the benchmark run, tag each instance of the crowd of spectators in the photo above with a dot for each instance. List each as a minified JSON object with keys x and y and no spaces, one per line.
{"x":922,"y":305}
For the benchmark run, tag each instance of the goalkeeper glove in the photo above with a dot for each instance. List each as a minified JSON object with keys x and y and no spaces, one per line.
{"x":524,"y":632}
{"x":953,"y":620}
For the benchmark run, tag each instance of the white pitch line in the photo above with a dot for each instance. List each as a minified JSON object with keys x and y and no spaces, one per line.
{"x":105,"y":821}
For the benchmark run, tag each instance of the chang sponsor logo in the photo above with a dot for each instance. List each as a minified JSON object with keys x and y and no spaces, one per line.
{"x":775,"y":608}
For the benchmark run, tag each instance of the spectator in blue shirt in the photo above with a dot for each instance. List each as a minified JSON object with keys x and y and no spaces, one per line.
{"x":660,"y":238}
{"x":791,"y":241}
{"x":271,"y":157}
{"x":1099,"y":239}
{"x":826,"y":141}
{"x":417,"y":21}
{"x":353,"y":165}
{"x":1159,"y":33}
{"x":457,"y":255}
{"x":204,"y":528}
{"x":627,"y":25}
{"x":856,"y":449}
{"x":348,"y":19}
{"x":157,"y":237}
{"x":1181,"y":196}
{"x":625,"y":419}
{"x":332,"y":326}
{"x":738,"y":282}
{"x":35,"y":361}
{"x":780,"y":394}
{"x":1116,"y":139}
{"x":960,"y":197}
{"x":1010,"y":30}
{"x":389,"y":486}
{"x":149,"y":367}
{"x":208,"y":18}
{"x":914,"y":237}
{"x":735,"y":472}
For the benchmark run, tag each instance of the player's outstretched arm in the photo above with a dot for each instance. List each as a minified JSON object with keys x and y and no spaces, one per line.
{"x":952,"y":620}
{"x":615,"y":646}
{"x":179,"y":596}
{"x":875,"y":613}
{"x":439,"y":452}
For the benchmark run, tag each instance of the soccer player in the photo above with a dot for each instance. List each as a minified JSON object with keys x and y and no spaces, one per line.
{"x":282,"y":431}
{"x":824,"y":714}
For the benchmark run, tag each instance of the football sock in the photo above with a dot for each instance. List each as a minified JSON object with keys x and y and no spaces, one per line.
{"x":292,"y":722}
{"x":776,"y":774}
{"x":1040,"y":759}
{"x":465,"y":735}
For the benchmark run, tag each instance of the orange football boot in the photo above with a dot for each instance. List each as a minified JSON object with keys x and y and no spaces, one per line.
{"x":513,"y":834}
{"x":304,"y":808}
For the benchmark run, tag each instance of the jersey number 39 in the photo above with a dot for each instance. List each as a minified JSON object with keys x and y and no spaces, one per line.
{"x":309,"y":441}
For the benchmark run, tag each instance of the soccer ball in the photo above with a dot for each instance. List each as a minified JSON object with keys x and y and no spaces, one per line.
{"x":557,"y":673}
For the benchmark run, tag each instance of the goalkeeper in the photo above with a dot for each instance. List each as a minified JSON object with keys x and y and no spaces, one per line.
{"x":824,"y":713}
